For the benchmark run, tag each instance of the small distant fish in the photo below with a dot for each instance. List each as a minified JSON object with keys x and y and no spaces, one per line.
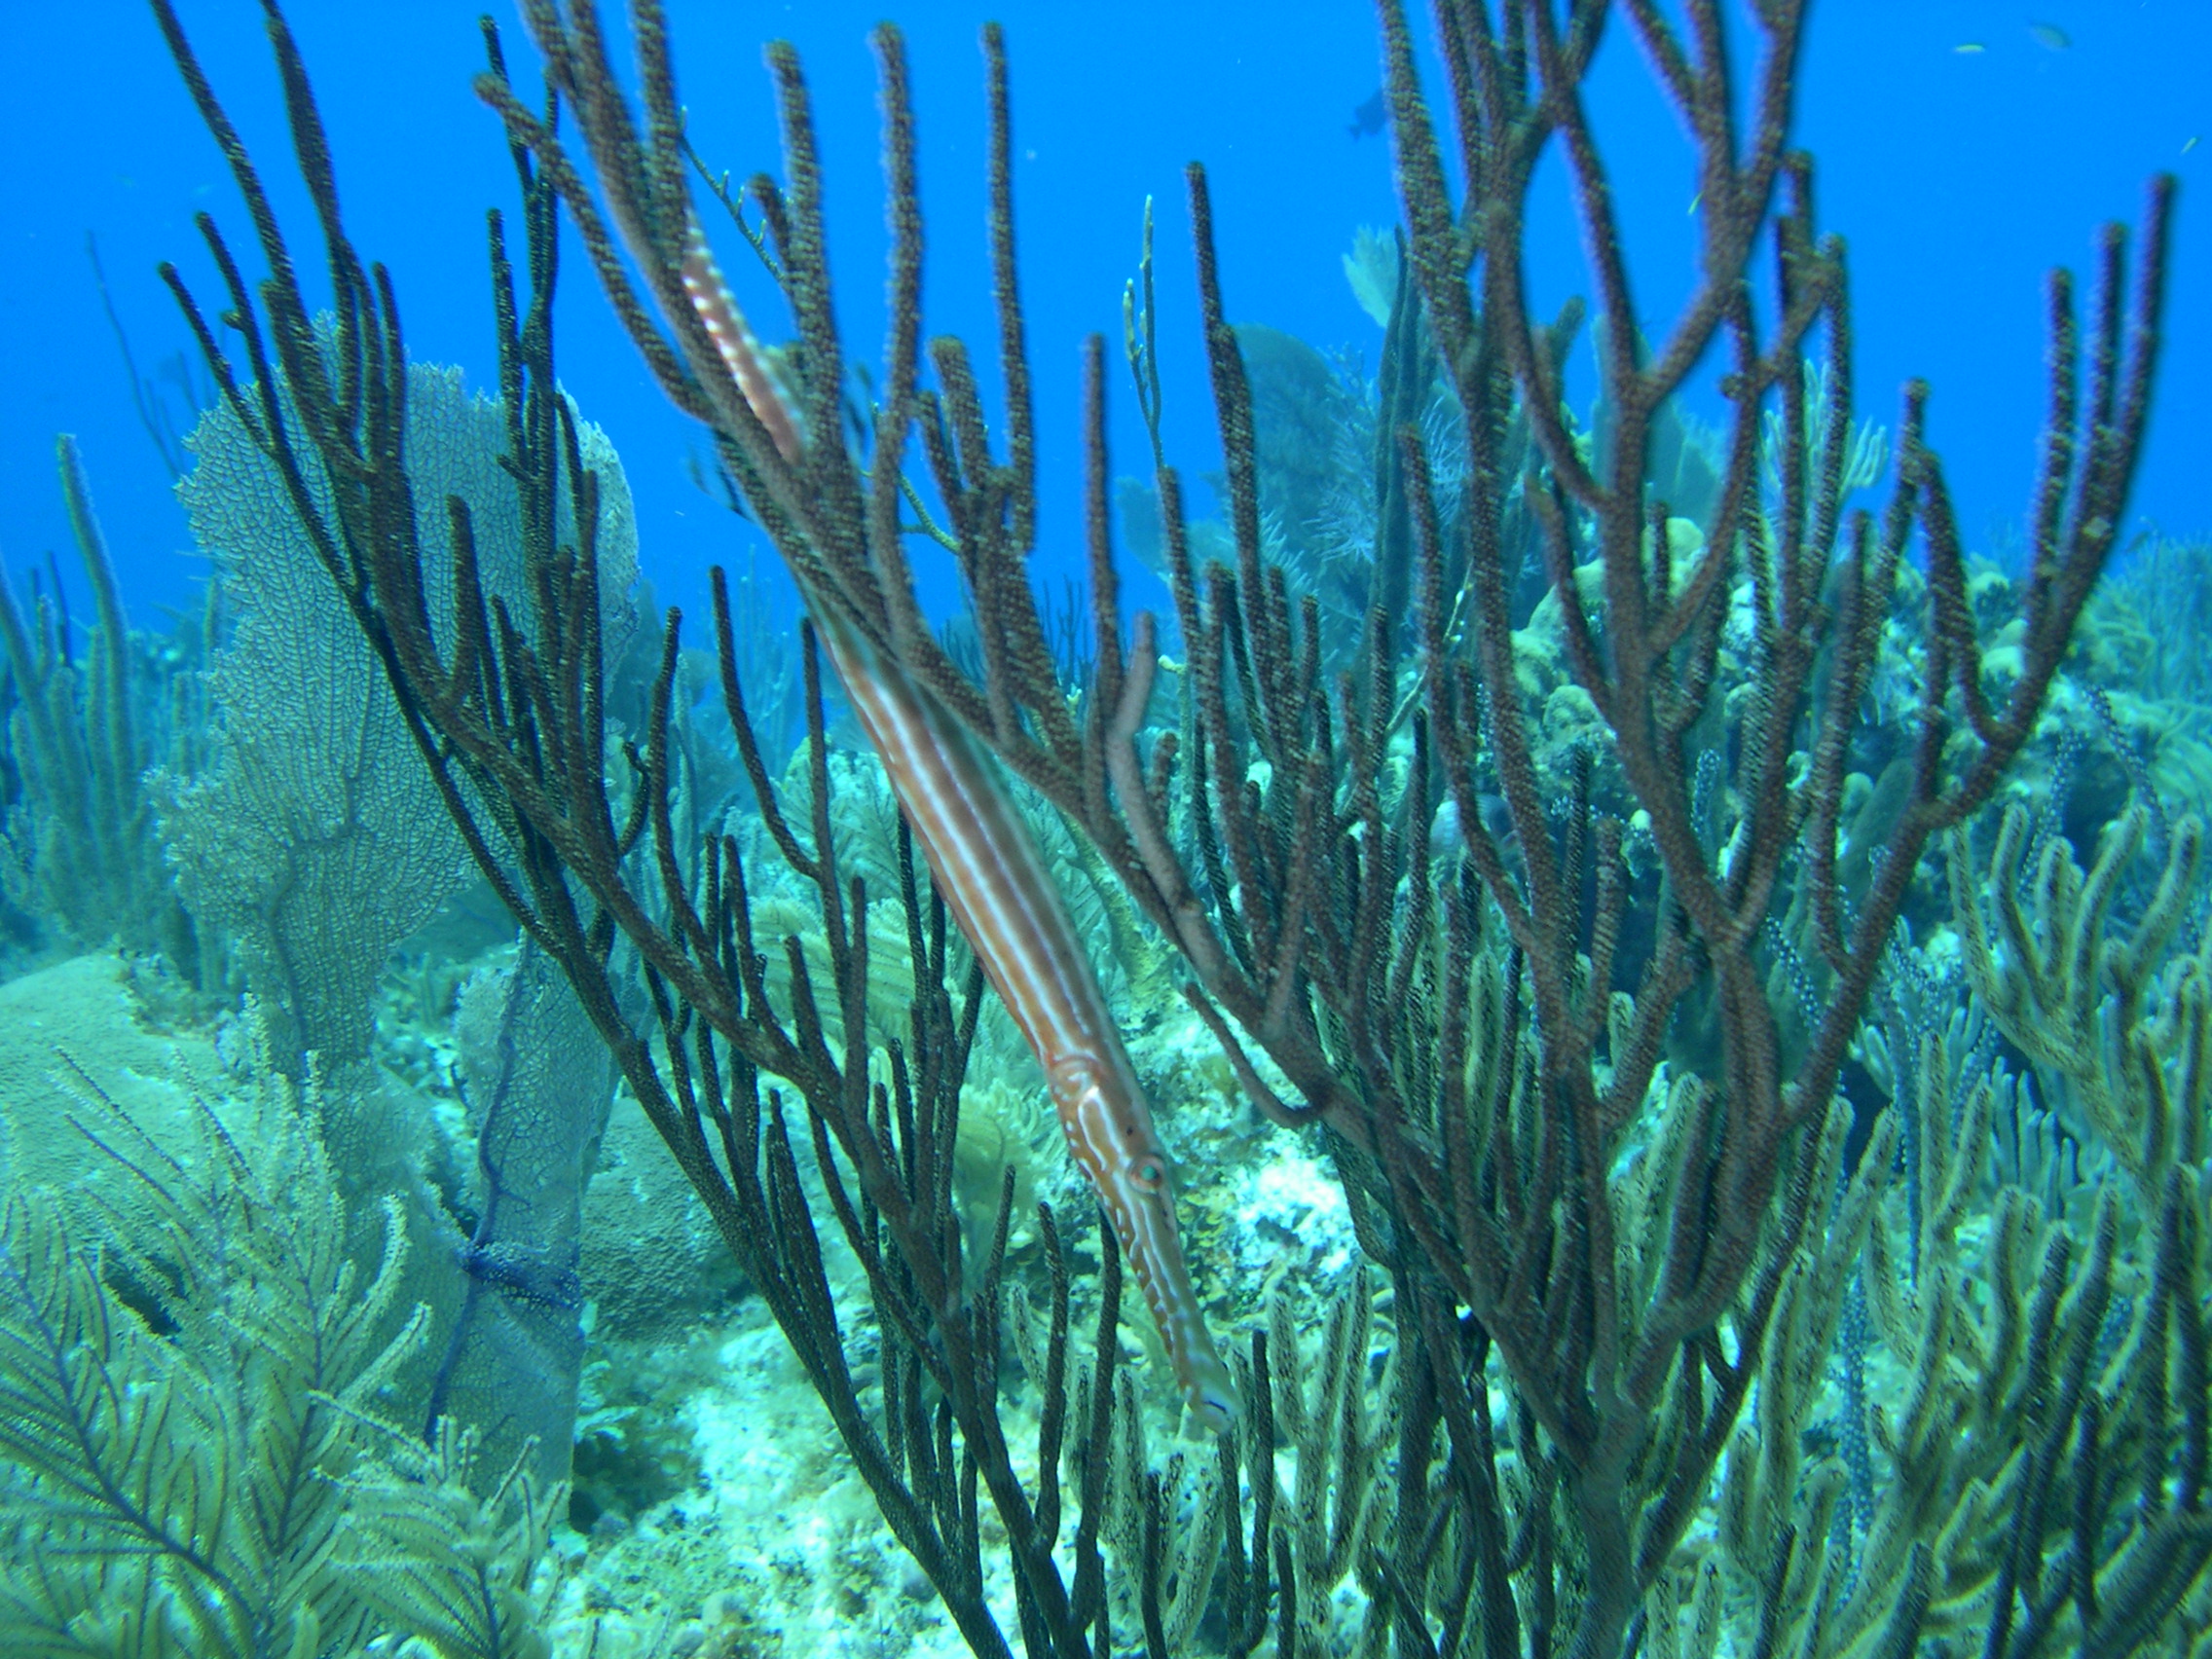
{"x":2191,"y":145}
{"x":2049,"y":36}
{"x":1369,"y":117}
{"x":1970,"y":48}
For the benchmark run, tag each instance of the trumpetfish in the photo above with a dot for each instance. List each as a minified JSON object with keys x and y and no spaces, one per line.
{"x":994,"y":881}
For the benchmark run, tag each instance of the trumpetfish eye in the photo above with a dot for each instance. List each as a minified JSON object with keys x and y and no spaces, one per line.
{"x":1148,"y":1172}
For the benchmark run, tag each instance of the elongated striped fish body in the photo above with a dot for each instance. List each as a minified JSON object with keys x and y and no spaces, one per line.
{"x":995,"y":883}
{"x":987,"y":866}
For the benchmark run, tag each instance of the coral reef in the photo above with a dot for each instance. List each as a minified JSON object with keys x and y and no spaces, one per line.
{"x":192,"y":1372}
{"x":1678,"y":1001}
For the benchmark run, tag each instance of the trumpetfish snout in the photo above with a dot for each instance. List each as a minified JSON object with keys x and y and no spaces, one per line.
{"x":994,"y":881}
{"x":1109,"y":1136}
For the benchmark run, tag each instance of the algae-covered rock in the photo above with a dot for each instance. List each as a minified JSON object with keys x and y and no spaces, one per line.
{"x":77,"y":1026}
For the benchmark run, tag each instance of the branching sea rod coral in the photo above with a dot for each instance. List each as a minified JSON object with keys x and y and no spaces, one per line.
{"x":987,"y":863}
{"x":517,"y":743}
{"x":1596,"y":1157}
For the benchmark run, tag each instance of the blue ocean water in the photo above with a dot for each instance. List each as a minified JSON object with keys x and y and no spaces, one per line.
{"x":1964,"y":149}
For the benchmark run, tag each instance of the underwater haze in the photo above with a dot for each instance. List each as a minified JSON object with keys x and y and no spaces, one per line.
{"x":1218,"y":830}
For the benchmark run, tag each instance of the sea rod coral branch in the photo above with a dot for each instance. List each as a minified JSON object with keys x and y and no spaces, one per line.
{"x":984,"y":857}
